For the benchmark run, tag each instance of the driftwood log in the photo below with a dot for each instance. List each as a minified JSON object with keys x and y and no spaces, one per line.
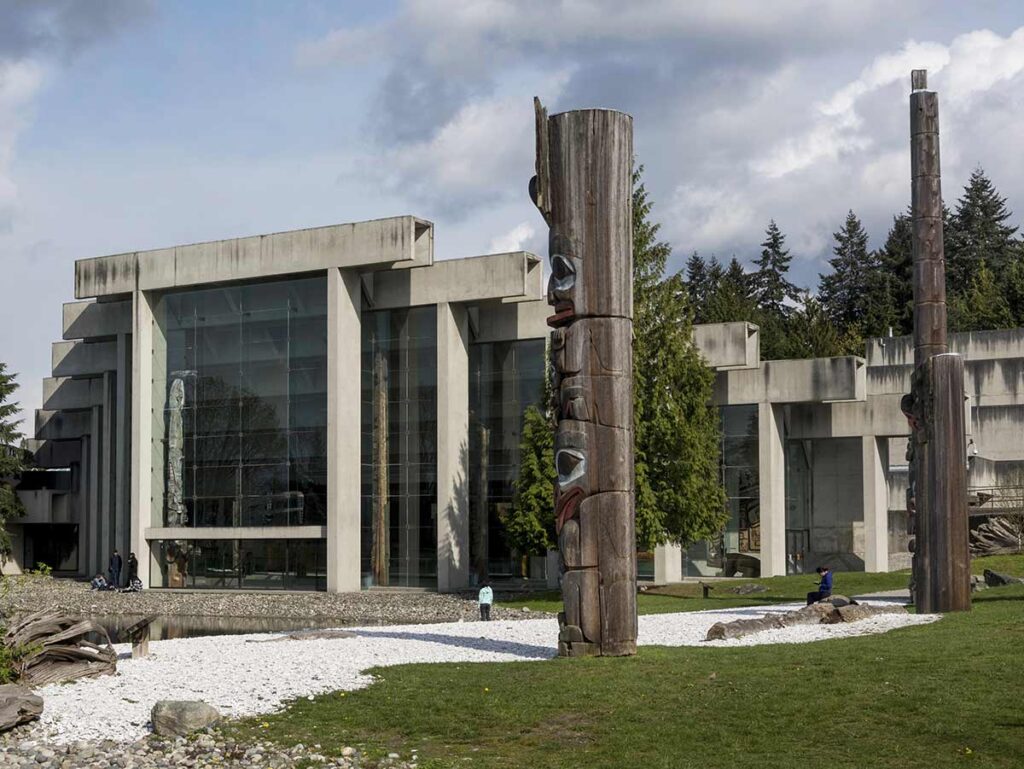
{"x":56,"y":648}
{"x":999,"y":535}
{"x":18,"y":705}
{"x":815,"y":614}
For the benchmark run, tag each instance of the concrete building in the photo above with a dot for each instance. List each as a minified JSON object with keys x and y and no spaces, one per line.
{"x":332,"y":409}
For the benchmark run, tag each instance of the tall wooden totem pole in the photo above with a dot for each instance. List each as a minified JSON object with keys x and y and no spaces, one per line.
{"x":937,"y":496}
{"x":583,"y":188}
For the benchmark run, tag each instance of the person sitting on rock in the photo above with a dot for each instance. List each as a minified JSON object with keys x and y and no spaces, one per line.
{"x":824,"y":586}
{"x":99,"y":582}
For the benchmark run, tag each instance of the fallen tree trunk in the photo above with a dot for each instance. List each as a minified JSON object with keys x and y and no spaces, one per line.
{"x":816,"y":614}
{"x":53,"y":647}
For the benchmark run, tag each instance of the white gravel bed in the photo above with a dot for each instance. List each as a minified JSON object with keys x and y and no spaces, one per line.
{"x":242,"y":676}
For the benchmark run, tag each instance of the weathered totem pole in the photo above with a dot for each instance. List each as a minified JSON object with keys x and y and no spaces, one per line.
{"x":937,"y":497}
{"x":583,"y":188}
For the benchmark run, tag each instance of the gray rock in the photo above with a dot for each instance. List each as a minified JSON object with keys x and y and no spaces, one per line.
{"x":748,"y":589}
{"x":996,"y":579}
{"x":839,"y":600}
{"x":18,"y":705}
{"x":178,"y":718}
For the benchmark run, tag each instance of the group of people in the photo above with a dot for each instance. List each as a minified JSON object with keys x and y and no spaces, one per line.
{"x":112,"y":580}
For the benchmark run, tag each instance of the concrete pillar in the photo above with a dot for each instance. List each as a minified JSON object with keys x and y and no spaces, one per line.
{"x":452,"y":447}
{"x":122,"y":441}
{"x":876,"y":504}
{"x":772,"y":486}
{"x":108,"y":471}
{"x":91,"y":506}
{"x":668,"y":563}
{"x":344,"y":339}
{"x":142,"y":431}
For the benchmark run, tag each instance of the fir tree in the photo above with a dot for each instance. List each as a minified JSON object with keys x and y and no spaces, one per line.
{"x":982,"y":307}
{"x":697,"y":282}
{"x":812,"y":332}
{"x":978,"y":230}
{"x":897,"y":266}
{"x":732,"y":299}
{"x":529,"y":523}
{"x":843,"y":291}
{"x":11,"y":456}
{"x":676,"y":434}
{"x":771,"y":286}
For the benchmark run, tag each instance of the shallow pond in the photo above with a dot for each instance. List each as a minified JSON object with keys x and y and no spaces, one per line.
{"x":167,"y":627}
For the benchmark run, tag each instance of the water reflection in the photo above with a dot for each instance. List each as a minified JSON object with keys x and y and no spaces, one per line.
{"x":170,"y":627}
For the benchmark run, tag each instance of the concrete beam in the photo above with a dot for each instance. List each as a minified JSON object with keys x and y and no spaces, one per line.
{"x":974,"y":345}
{"x":515,"y":276}
{"x":62,"y":425}
{"x":498,"y":322}
{"x":158,"y":533}
{"x":57,"y":453}
{"x":91,"y":320}
{"x":401,"y":241}
{"x":818,"y":380}
{"x":729,"y":345}
{"x":66,"y":394}
{"x":82,"y":358}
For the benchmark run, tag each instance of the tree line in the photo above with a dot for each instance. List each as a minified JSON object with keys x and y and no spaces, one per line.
{"x":868,"y":292}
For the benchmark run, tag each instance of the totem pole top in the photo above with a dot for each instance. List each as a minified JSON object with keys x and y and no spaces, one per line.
{"x":919,"y":80}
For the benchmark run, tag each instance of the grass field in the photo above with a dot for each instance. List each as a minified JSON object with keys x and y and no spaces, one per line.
{"x":942,"y":695}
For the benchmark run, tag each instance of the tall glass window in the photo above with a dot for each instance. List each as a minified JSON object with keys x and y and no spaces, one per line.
{"x":399,"y":447}
{"x":736,"y":551}
{"x":505,"y":379}
{"x":240,"y":394}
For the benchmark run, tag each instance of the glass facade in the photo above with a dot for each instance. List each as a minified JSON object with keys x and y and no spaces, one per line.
{"x":240,"y":425}
{"x":399,"y":447}
{"x":505,"y":378}
{"x":737,"y":549}
{"x":253,"y":564}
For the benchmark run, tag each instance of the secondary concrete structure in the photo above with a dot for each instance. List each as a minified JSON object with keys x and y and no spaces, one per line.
{"x":211,"y":409}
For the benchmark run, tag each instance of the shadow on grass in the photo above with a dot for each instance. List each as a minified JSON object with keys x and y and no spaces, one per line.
{"x":530,"y":651}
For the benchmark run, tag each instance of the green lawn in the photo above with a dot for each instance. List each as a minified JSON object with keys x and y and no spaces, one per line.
{"x":687,"y":596}
{"x":941,"y":695}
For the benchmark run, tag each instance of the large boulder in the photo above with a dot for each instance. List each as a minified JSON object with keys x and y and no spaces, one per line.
{"x":839,"y":600}
{"x":176,"y":718}
{"x":18,"y":705}
{"x":995,"y":579}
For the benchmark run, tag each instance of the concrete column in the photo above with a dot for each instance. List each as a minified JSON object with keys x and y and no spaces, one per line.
{"x":668,"y":563}
{"x":772,"y":466}
{"x":142,"y":431}
{"x":876,"y":504}
{"x":108,"y":471}
{"x":91,"y":506}
{"x":122,"y":440}
{"x":344,"y":339}
{"x":452,"y":447}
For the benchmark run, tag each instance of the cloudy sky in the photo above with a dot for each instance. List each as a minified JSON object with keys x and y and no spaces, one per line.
{"x":134,"y":124}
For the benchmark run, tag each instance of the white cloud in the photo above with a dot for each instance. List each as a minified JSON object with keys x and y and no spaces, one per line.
{"x":20,"y":81}
{"x":513,"y":240}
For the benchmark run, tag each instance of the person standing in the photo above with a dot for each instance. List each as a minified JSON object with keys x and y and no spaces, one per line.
{"x":133,"y":567}
{"x":824,"y":586}
{"x":485,"y":599}
{"x":115,"y":569}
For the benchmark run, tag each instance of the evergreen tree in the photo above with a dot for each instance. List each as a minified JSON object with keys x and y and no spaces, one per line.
{"x":11,"y":456}
{"x":676,"y":434}
{"x":897,"y":267}
{"x":812,"y":332}
{"x":978,"y":230}
{"x":982,"y":307}
{"x":529,"y":524}
{"x":771,"y":286}
{"x":1013,"y":290}
{"x":732,"y":299}
{"x":697,"y":282}
{"x":843,"y":291}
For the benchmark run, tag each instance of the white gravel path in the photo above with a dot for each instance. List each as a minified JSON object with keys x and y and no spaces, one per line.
{"x":243,"y":677}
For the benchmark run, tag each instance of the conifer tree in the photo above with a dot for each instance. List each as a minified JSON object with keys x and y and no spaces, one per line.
{"x":982,"y":307}
{"x":843,"y":291}
{"x":771,"y":286}
{"x":732,"y":299}
{"x":896,"y":260}
{"x":812,"y":332}
{"x":697,"y":282}
{"x":11,"y":456}
{"x":678,"y":494}
{"x":979,"y":231}
{"x":529,"y":523}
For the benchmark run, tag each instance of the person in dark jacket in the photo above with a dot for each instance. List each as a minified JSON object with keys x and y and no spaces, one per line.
{"x":115,"y":569}
{"x":133,"y":567}
{"x":824,"y":586}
